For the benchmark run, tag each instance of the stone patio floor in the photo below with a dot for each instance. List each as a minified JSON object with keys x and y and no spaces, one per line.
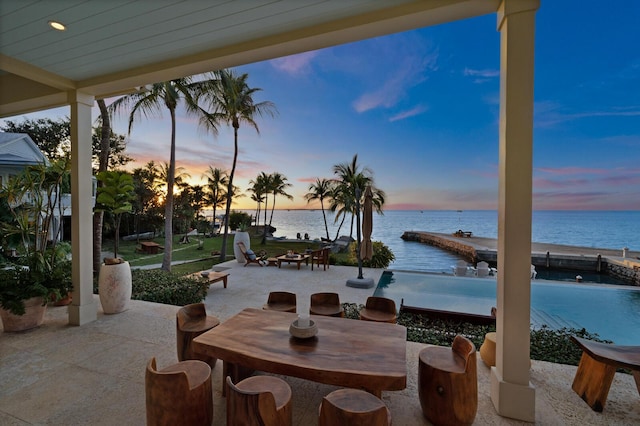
{"x":94,"y":374}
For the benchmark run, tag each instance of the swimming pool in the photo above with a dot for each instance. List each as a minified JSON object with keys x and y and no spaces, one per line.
{"x":613,"y":312}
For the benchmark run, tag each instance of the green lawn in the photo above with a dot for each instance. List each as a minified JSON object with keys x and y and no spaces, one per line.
{"x":200,"y":250}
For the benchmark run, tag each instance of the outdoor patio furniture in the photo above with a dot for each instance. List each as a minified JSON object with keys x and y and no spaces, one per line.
{"x":598,"y":366}
{"x":327,"y":304}
{"x":250,"y":256}
{"x":460,"y":269}
{"x":448,"y":383}
{"x":259,"y":400}
{"x":281,"y":301}
{"x":321,"y":257}
{"x":353,"y":407}
{"x":211,"y":276}
{"x":482,"y":269}
{"x":179,"y":394}
{"x":488,"y":349}
{"x":191,"y":321}
{"x":343,"y":353}
{"x":379,"y":309}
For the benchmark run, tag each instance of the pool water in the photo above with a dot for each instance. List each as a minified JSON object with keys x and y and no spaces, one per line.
{"x":611,"y":311}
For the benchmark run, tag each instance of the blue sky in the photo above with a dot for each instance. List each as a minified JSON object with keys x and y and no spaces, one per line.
{"x":420,"y":109}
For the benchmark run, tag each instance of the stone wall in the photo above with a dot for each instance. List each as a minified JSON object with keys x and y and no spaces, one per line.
{"x":625,"y":271}
{"x":450,"y":245}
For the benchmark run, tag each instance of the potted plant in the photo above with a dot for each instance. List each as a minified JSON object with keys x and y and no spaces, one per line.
{"x":40,"y":270}
{"x":114,"y":281}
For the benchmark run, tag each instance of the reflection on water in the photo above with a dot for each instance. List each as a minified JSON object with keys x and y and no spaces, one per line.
{"x":613,"y":312}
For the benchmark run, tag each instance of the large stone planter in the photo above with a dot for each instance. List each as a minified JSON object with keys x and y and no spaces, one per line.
{"x":240,"y":236}
{"x":114,"y":287}
{"x":33,"y":316}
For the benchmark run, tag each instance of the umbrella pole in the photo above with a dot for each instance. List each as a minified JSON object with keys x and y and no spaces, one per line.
{"x":358,"y":233}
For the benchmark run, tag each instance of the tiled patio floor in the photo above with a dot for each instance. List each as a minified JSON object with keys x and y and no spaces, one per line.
{"x":94,"y":374}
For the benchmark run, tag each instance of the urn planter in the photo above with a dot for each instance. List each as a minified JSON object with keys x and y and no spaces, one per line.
{"x":240,"y":236}
{"x":114,"y":286}
{"x":33,"y":316}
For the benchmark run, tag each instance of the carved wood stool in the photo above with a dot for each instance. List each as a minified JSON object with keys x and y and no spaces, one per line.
{"x":179,"y":394}
{"x":488,"y":349}
{"x":448,"y":383}
{"x":192,"y":321}
{"x":259,"y":400}
{"x":353,"y":407}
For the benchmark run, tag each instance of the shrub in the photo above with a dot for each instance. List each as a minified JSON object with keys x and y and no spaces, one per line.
{"x":164,"y":287}
{"x":236,"y":219}
{"x":546,"y":344}
{"x":382,"y":256}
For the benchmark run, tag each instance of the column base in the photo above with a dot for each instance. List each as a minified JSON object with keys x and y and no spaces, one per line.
{"x":83,"y":314}
{"x":513,"y":400}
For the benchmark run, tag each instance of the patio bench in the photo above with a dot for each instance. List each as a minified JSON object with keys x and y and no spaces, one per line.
{"x":598,"y":366}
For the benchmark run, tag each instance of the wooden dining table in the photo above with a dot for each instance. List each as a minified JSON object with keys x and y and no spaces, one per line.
{"x":345,"y":352}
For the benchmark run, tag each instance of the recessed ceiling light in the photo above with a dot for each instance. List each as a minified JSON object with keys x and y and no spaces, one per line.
{"x":57,"y":25}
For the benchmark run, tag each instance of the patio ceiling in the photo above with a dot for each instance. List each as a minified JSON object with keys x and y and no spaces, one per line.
{"x":112,"y":47}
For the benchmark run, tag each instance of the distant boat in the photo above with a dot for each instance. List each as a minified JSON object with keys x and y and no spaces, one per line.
{"x":459,"y":211}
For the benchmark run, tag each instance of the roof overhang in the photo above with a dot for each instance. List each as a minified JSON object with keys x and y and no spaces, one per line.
{"x":108,"y":51}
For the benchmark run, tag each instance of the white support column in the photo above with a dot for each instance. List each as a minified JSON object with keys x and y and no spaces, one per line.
{"x":511,"y":392}
{"x":83,"y":308}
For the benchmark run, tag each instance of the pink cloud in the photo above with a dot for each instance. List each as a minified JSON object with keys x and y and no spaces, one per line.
{"x":570,"y":170}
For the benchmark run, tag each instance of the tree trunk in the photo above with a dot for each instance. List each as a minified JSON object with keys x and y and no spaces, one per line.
{"x":324,"y":216}
{"x":103,"y":164}
{"x":339,"y":227}
{"x":223,"y":249}
{"x":168,"y":208}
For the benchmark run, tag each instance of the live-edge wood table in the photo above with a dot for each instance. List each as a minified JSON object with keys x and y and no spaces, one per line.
{"x":345,"y":352}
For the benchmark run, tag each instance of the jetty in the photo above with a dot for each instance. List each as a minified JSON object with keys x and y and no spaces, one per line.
{"x":622,"y":264}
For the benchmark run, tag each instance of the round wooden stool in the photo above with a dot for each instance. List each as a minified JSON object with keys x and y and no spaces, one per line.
{"x":179,"y":394}
{"x":263,"y":398}
{"x":353,"y":407}
{"x":488,"y":349}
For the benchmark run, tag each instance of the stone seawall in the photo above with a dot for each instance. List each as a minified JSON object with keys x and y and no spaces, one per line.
{"x":477,"y":249}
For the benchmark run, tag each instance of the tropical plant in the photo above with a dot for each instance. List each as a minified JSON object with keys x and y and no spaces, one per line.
{"x":167,"y":94}
{"x":231,"y":102}
{"x":320,"y":190}
{"x":215,"y":191}
{"x":42,"y":269}
{"x":258,"y":194}
{"x":146,"y":205}
{"x":115,"y":196}
{"x":277,"y":185}
{"x":382,"y":256}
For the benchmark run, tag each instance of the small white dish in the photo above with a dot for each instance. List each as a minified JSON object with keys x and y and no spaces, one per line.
{"x":303,"y":332}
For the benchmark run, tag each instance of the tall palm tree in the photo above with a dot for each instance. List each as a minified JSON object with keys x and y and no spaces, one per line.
{"x":351,"y":177}
{"x":277,"y":186}
{"x":217,"y":179}
{"x":258,"y":191}
{"x":168,"y":94}
{"x":232,"y":103}
{"x":320,"y":190}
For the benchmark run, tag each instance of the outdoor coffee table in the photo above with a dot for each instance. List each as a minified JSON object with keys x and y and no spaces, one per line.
{"x":297,"y":259}
{"x":345,"y":352}
{"x":212,"y":277}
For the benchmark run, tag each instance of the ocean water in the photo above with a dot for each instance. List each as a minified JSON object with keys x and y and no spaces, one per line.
{"x":599,"y":229}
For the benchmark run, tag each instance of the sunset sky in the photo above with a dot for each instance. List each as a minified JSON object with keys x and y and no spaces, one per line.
{"x":420,"y":109}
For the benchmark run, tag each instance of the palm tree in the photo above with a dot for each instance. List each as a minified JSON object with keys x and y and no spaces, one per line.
{"x":320,"y":190}
{"x":167,"y":94}
{"x":277,"y":185}
{"x":232,"y":103}
{"x":258,"y":191}
{"x":351,"y":178}
{"x":216,"y":193}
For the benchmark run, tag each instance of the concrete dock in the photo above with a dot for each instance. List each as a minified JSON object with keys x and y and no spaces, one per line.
{"x":478,"y":249}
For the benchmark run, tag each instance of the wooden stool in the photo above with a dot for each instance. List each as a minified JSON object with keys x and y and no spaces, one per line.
{"x":259,"y":400}
{"x":179,"y":394}
{"x":488,"y":349}
{"x":598,"y":366}
{"x":283,"y":301}
{"x":379,"y":309}
{"x":192,"y":321}
{"x":327,"y":304}
{"x":448,"y":383}
{"x":353,"y":407}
